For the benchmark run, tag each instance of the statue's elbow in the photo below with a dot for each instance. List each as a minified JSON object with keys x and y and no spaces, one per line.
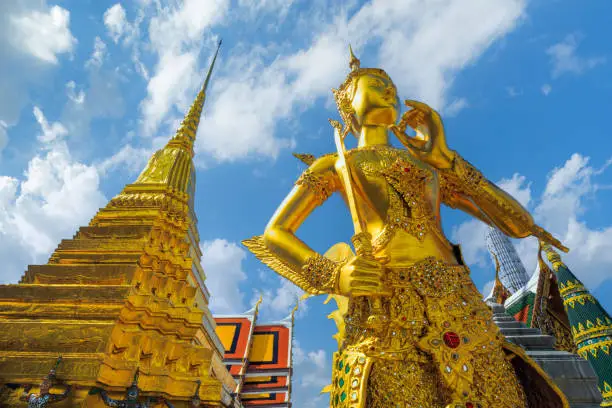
{"x":270,"y":234}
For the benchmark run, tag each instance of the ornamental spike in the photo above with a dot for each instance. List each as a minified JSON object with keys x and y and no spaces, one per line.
{"x":354,"y":62}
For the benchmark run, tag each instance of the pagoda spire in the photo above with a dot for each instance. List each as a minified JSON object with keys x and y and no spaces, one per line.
{"x":591,"y":324}
{"x":186,"y":133}
{"x":172,"y":166}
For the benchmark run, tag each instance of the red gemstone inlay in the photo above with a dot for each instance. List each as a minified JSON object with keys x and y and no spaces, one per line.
{"x":451,"y":339}
{"x":404,"y":318}
{"x":406,"y":169}
{"x":469,"y":405}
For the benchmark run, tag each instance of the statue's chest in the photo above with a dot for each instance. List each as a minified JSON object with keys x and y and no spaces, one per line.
{"x":392,"y":165}
{"x":395,"y":171}
{"x":407,"y":185}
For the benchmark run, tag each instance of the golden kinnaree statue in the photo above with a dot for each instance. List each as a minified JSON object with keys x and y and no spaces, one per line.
{"x":413,"y":329}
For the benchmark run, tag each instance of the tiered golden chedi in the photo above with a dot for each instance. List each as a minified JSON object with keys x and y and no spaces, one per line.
{"x":125,"y":294}
{"x":413,"y":329}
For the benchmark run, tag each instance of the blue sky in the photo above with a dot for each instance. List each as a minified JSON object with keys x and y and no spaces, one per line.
{"x":91,"y":88}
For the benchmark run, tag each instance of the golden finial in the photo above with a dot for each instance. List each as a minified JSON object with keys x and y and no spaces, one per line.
{"x":497,"y":265}
{"x":294,"y":310}
{"x":553,"y":257}
{"x":354,"y":62}
{"x":500,"y":292}
{"x":187,"y":131}
{"x":256,"y":307}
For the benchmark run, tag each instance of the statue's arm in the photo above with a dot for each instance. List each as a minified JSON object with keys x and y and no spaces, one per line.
{"x":282,"y":250}
{"x":108,"y":400}
{"x":25,"y":395}
{"x":168,"y":404}
{"x":62,"y":396}
{"x":464,"y":187}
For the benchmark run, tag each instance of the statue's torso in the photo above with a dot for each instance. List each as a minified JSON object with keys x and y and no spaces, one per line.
{"x":398,"y":197}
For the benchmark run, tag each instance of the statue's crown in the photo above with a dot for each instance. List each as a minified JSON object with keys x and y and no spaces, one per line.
{"x":343,"y":94}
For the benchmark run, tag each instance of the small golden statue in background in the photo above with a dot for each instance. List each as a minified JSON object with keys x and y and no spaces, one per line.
{"x":413,"y":329}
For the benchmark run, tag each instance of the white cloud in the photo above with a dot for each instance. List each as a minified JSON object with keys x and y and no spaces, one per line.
{"x":3,"y":135}
{"x":49,"y":132}
{"x":76,"y":97}
{"x":312,"y":370}
{"x":456,"y":106}
{"x":546,"y":88}
{"x":564,"y":59}
{"x":116,"y":22}
{"x":98,"y":54}
{"x":258,"y":7}
{"x":103,"y":91}
{"x":44,"y":34}
{"x":176,"y":34}
{"x":318,"y":358}
{"x":275,"y":84}
{"x":55,"y":196}
{"x":513,"y":92}
{"x":487,"y":288}
{"x":222,"y":263}
{"x":128,"y":158}
{"x":436,"y":43}
{"x":560,"y":210}
{"x":24,"y":57}
{"x":277,"y":303}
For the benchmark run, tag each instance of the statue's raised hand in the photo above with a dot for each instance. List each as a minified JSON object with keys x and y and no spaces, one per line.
{"x":429,"y":145}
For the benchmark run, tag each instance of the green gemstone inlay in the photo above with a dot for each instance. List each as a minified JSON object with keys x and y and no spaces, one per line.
{"x":341,"y":383}
{"x":340,"y":365}
{"x":343,"y":396}
{"x":347,"y":369}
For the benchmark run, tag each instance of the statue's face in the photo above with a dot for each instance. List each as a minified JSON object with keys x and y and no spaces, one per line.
{"x":132,"y":394}
{"x":375,"y":100}
{"x":45,"y":386}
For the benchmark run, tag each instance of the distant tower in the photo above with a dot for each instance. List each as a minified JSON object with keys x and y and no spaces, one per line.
{"x":512,"y":272}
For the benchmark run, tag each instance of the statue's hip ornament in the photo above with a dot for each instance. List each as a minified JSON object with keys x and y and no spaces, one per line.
{"x":440,"y":348}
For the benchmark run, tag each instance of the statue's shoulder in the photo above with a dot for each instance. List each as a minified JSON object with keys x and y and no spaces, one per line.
{"x":320,"y":162}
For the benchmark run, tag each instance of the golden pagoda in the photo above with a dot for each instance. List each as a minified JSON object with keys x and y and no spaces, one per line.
{"x":124,"y":301}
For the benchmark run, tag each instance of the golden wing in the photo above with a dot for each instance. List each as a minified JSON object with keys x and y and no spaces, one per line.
{"x":258,"y":248}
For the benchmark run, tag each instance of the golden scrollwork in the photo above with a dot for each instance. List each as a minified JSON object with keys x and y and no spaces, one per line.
{"x":321,"y":273}
{"x":321,"y":186}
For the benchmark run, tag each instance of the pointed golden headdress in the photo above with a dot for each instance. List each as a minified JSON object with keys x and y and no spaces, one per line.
{"x":172,"y":165}
{"x":344,"y":94}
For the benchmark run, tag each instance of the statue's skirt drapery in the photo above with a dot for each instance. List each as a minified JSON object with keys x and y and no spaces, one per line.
{"x":439,"y":348}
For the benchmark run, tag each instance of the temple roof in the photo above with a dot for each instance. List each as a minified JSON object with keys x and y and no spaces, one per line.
{"x":259,"y":357}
